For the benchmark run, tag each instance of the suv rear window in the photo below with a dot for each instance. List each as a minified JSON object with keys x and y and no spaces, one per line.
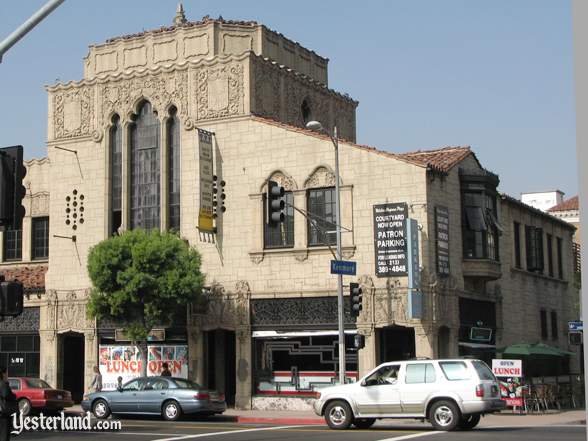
{"x":483,"y":370}
{"x":455,"y":370}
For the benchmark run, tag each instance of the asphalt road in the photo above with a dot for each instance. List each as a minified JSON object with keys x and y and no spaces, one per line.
{"x":155,"y":430}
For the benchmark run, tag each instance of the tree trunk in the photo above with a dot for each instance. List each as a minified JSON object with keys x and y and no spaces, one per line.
{"x":143,"y":354}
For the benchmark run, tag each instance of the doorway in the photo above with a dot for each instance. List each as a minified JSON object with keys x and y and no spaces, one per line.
{"x":72,"y":350}
{"x":220,"y":360}
{"x":443,"y":342}
{"x":396,"y":343}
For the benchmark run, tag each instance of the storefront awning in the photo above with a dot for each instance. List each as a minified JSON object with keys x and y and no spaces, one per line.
{"x":476,"y":345}
{"x":278,"y":334}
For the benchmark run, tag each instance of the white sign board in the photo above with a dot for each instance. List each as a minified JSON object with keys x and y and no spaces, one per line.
{"x":507,"y":368}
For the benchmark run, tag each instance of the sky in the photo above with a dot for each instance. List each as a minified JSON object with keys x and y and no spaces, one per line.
{"x":494,"y":75}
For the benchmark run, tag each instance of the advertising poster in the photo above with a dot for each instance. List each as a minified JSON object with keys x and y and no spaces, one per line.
{"x":442,"y":238}
{"x":124,"y":361}
{"x":390,"y":239}
{"x":509,"y":374}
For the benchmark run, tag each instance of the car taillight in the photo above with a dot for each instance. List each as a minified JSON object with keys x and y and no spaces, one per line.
{"x":318,"y":395}
{"x":480,"y":390}
{"x":221,"y":397}
{"x":202,"y":396}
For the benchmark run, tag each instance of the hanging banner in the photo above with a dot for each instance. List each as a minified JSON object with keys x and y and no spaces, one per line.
{"x":509,"y":374}
{"x":125,"y":361}
{"x":205,"y":219}
{"x":390,"y":239}
{"x":442,"y":238}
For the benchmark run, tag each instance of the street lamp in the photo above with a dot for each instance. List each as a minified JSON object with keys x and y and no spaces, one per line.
{"x":317,"y":126}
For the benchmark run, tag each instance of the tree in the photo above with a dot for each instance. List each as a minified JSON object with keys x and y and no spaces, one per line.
{"x":139,"y":278}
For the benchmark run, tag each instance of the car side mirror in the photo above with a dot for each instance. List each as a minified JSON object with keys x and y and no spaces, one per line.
{"x":363,"y":383}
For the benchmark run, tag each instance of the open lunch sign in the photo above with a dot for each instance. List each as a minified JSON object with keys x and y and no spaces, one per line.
{"x":507,"y":368}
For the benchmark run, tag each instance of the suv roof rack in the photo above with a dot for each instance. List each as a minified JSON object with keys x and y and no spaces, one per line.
{"x":418,"y":358}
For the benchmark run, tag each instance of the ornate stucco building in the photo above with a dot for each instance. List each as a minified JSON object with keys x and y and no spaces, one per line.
{"x":123,"y":152}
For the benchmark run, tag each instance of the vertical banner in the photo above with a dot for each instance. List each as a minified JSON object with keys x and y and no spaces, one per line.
{"x":415,"y":297}
{"x":390,"y":239}
{"x":205,"y":219}
{"x":442,"y":239}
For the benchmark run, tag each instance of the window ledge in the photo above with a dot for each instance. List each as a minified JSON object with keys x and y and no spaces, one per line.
{"x":23,"y":262}
{"x":300,"y":254}
{"x":538,"y":275}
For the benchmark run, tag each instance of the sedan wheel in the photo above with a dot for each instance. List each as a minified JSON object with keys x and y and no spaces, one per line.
{"x":24,"y":406}
{"x":338,"y":415}
{"x":100,"y":409}
{"x":171,"y":411}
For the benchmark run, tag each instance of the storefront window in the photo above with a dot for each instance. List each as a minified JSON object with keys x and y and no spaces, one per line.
{"x":299,"y":363}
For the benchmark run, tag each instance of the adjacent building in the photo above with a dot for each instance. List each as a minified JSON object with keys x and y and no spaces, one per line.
{"x":123,"y":151}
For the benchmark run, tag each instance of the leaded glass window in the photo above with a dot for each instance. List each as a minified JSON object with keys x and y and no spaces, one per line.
{"x":40,"y":227}
{"x":321,"y":208}
{"x":145,"y":169}
{"x":116,"y":167}
{"x":173,"y":145}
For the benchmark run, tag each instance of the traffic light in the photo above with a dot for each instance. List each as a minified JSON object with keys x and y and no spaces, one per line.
{"x":12,"y":172}
{"x":218,"y":196}
{"x":275,"y":203}
{"x":355,"y":292}
{"x":575,"y":338}
{"x":11,"y":298}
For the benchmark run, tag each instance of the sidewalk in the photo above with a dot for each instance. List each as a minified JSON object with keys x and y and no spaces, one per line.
{"x":506,"y":418}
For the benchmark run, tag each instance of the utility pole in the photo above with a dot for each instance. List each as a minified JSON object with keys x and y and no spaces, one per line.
{"x":24,"y":28}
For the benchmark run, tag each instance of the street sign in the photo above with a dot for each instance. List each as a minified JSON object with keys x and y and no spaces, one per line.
{"x":344,"y":267}
{"x":576,"y":325}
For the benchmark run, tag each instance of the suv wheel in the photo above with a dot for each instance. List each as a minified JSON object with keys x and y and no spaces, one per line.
{"x":364,"y":423}
{"x":338,"y":415}
{"x":444,"y":415}
{"x":468,"y":422}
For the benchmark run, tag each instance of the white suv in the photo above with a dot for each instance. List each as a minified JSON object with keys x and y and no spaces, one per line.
{"x":449,"y":393}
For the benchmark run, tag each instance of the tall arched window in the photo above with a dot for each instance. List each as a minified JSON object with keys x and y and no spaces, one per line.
{"x":173,"y":172}
{"x":116,"y":174}
{"x":145,"y":172}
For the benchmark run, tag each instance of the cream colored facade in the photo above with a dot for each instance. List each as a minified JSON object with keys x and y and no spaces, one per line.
{"x":247,"y":84}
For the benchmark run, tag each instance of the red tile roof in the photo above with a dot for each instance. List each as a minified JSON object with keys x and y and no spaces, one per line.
{"x":32,"y":277}
{"x":567,"y":205}
{"x":440,"y":160}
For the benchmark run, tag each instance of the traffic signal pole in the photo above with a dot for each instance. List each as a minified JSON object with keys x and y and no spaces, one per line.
{"x":339,"y":257}
{"x":24,"y":28}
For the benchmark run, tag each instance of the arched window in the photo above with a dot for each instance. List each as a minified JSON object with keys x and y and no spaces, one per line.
{"x":145,"y":171}
{"x":116,"y":174}
{"x":173,"y":172}
{"x":306,"y":112}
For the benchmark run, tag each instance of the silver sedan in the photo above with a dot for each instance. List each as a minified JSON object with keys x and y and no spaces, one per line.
{"x":169,"y":397}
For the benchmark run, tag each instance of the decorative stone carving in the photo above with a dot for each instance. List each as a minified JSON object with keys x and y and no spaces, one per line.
{"x":267,"y":90}
{"x":39,"y":204}
{"x":73,"y":112}
{"x":72,"y":316}
{"x":301,"y":255}
{"x":243,"y":292}
{"x":196,"y":45}
{"x":97,"y":135}
{"x":161,"y":89}
{"x":27,"y":322}
{"x":320,"y":177}
{"x":220,"y":91}
{"x":367,"y":286}
{"x":256,"y":258}
{"x":282,"y":179}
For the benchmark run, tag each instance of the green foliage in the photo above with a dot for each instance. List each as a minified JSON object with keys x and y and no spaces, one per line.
{"x":140,"y":277}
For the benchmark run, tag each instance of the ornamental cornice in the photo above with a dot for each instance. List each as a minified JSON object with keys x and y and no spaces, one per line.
{"x":140,"y":73}
{"x":37,"y":161}
{"x":317,"y":85}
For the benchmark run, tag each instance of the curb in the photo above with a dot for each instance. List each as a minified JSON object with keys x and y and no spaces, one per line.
{"x":278,"y":420}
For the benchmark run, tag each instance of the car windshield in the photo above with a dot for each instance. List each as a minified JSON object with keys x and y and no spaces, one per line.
{"x":483,"y":370}
{"x":186,"y":384}
{"x":37,"y":383}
